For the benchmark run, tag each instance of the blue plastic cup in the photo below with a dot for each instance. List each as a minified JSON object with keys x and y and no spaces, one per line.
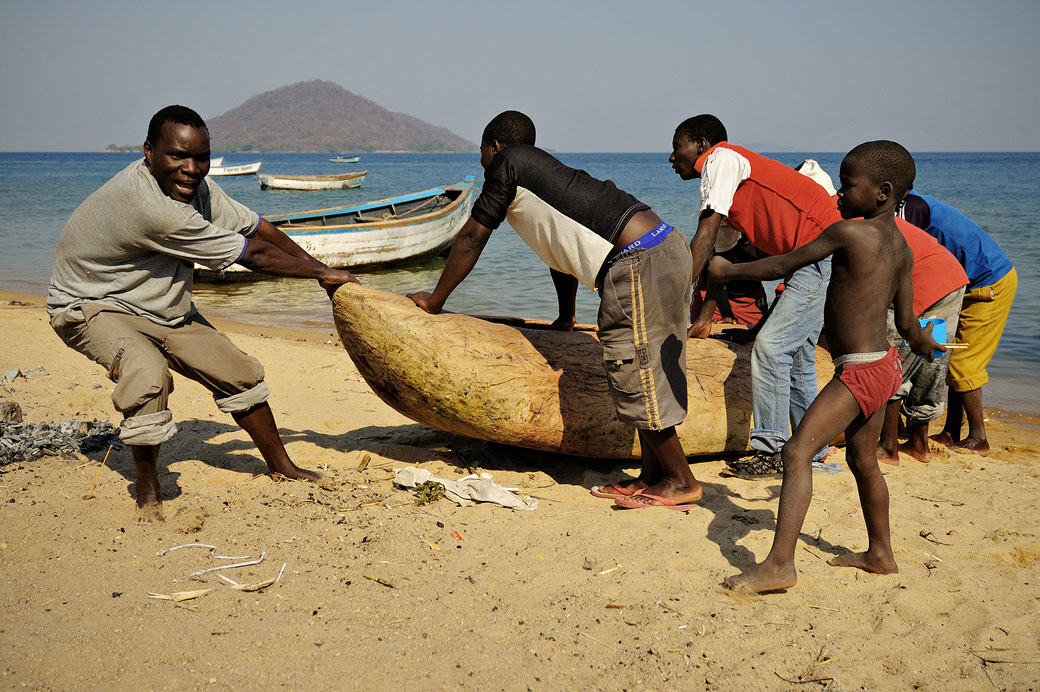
{"x":938,"y":333}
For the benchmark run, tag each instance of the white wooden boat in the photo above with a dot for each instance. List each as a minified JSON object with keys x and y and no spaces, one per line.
{"x":343,"y":181}
{"x":519,"y":383}
{"x":345,"y":159}
{"x":397,"y":230}
{"x":239,"y":169}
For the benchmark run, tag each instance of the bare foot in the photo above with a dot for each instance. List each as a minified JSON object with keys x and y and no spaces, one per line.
{"x":295,"y":473}
{"x":970,"y":444}
{"x":679,"y":495}
{"x":147,"y":490}
{"x":150,"y":513}
{"x":922,"y":455}
{"x":884,"y":457}
{"x":866,"y":562}
{"x":763,"y":577}
{"x":944,"y":438}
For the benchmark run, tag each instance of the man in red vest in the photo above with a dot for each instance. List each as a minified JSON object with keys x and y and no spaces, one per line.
{"x":778,"y":210}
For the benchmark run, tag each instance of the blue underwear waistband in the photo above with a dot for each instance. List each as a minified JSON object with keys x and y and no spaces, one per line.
{"x":648,"y":239}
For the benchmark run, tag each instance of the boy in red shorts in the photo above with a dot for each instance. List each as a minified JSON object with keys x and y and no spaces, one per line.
{"x":871,"y":270}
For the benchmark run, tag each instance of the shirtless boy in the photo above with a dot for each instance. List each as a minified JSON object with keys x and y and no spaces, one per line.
{"x":588,"y":230}
{"x":871,"y":270}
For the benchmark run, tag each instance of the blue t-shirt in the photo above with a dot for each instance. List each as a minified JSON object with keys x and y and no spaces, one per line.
{"x":983,"y":260}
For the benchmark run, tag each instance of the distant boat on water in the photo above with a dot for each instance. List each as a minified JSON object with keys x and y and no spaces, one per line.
{"x":397,"y":230}
{"x":345,"y":159}
{"x":240,"y":169}
{"x":271,"y":181}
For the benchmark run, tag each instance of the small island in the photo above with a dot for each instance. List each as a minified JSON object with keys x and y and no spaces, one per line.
{"x":320,"y":116}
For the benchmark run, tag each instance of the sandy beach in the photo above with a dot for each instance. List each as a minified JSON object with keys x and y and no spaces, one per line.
{"x":378,"y":593}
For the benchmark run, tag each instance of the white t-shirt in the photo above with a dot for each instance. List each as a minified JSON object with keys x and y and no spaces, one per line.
{"x":723,"y":171}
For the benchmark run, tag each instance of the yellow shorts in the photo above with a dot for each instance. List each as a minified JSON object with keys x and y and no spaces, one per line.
{"x":982,"y":318}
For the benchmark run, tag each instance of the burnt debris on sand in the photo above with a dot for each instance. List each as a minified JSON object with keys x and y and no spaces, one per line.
{"x":29,"y":441}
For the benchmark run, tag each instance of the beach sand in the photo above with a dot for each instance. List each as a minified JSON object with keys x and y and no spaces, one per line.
{"x":380,"y":594}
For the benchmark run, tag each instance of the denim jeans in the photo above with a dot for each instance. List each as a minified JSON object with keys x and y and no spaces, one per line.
{"x":783,"y":360}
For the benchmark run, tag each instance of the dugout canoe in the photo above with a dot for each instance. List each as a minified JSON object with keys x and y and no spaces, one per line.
{"x":522,"y":385}
{"x":341,"y":181}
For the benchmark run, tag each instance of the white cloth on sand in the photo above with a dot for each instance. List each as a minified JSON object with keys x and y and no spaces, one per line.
{"x":466,"y":491}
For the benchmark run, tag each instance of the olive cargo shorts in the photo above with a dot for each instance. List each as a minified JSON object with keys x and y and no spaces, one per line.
{"x":139,"y":355}
{"x":644,"y":305}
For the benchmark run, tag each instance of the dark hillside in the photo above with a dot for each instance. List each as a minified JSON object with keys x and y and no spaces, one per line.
{"x":323,"y":116}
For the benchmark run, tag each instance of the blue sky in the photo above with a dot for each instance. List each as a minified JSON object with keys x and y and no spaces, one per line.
{"x":602,"y":76}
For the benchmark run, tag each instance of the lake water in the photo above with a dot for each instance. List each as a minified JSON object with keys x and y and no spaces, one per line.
{"x":38,"y":191}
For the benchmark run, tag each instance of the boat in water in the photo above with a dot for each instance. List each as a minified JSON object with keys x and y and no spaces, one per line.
{"x":397,"y":230}
{"x":519,"y":383}
{"x":271,"y":181}
{"x":344,"y":159}
{"x":237,"y":169}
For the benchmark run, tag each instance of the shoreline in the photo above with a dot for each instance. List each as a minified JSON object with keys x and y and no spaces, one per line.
{"x":321,"y":333}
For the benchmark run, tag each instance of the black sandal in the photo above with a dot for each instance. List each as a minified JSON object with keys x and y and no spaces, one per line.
{"x":758,"y":467}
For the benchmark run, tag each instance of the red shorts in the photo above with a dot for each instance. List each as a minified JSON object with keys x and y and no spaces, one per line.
{"x":872,"y":383}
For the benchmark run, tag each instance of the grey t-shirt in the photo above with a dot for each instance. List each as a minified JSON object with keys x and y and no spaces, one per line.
{"x":130,"y":247}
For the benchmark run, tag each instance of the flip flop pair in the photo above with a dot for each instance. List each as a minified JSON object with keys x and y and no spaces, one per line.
{"x":636,"y":501}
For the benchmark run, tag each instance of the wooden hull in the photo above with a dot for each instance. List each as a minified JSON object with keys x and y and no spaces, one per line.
{"x":528,"y":387}
{"x":399,"y":230}
{"x":242,"y":169}
{"x":312,"y":182}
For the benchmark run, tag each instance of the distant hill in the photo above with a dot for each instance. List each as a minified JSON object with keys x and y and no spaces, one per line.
{"x":323,"y":116}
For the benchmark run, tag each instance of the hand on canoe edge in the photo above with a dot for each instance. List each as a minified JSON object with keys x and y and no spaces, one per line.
{"x":331,"y":279}
{"x":422,"y":299}
{"x":699,"y":330}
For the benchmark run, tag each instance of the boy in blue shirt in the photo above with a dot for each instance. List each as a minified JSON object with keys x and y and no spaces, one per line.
{"x":992,"y":282}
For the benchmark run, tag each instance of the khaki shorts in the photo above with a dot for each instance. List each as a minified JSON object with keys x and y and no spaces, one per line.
{"x":644,"y":306}
{"x":139,"y":355}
